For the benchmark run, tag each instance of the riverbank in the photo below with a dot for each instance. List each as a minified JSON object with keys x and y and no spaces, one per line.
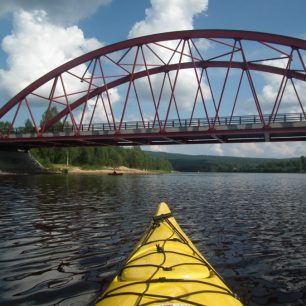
{"x":59,"y":168}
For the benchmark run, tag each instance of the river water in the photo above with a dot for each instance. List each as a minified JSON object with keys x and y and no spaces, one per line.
{"x":63,"y":238}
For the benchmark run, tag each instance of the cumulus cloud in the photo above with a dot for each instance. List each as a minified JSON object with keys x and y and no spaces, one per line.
{"x":60,"y":12}
{"x":264,"y":150}
{"x":96,"y":112}
{"x":36,"y":46}
{"x":170,"y":15}
{"x":273,"y":83}
{"x":165,"y":16}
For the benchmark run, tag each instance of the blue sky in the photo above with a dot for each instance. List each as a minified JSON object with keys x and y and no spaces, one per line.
{"x":101,"y":22}
{"x":113,"y":22}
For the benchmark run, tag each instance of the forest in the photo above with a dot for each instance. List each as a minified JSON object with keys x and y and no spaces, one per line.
{"x":99,"y":157}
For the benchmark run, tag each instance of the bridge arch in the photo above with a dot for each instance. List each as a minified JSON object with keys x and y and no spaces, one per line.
{"x":147,"y":78}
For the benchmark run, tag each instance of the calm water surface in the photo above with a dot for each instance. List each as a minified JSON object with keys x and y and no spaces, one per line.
{"x":63,"y":238}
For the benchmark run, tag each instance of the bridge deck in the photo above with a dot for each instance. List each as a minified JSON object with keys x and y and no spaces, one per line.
{"x":240,"y":129}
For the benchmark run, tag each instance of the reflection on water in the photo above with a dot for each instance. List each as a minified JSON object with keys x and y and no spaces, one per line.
{"x":63,"y":238}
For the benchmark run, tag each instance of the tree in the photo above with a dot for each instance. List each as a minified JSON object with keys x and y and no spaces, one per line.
{"x":4,"y":127}
{"x":302,"y":164}
{"x":48,"y":115}
{"x":28,"y":126}
{"x":82,"y":158}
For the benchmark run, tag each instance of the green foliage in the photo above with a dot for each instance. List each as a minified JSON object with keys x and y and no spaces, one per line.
{"x":302,"y":164}
{"x":4,"y":127}
{"x":28,"y":126}
{"x":50,"y":114}
{"x":99,"y":157}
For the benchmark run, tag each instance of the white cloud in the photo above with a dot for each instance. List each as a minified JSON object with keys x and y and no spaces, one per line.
{"x":264,"y":150}
{"x":60,"y":12}
{"x":164,"y":16}
{"x":36,"y":46}
{"x":96,"y":112}
{"x":170,"y":15}
{"x":271,"y":90}
{"x":155,"y":148}
{"x":194,"y":149}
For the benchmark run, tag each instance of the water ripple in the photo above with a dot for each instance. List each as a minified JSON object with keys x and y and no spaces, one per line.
{"x":63,"y":238}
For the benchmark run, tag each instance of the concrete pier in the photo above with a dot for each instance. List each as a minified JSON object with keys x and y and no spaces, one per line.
{"x":21,"y":162}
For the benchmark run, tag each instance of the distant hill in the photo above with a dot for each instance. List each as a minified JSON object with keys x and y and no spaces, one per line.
{"x":207,"y":163}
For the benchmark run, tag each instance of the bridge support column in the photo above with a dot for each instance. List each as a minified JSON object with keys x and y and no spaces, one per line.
{"x":19,"y":161}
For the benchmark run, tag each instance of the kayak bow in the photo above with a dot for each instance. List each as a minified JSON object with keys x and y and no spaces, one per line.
{"x":166,"y":269}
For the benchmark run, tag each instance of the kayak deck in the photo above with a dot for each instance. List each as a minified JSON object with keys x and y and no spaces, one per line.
{"x":166,"y":269}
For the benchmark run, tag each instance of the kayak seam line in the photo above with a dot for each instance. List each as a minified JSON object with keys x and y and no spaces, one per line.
{"x":164,"y":268}
{"x":169,"y":240}
{"x":180,"y":297}
{"x":165,"y":280}
{"x":167,"y":298}
{"x":168,"y":251}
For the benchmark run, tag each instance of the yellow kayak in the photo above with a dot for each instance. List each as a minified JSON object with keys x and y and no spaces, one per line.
{"x":166,"y":269}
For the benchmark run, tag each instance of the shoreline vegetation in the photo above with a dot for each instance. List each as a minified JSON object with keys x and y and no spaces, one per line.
{"x":206,"y":163}
{"x":106,"y":160}
{"x":100,"y":160}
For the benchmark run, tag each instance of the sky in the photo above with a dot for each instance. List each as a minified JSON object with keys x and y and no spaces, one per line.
{"x":70,"y":28}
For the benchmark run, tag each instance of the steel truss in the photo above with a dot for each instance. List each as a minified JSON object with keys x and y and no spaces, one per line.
{"x":164,"y":78}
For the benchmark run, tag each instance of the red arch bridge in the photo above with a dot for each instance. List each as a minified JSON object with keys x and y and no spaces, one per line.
{"x":186,"y":87}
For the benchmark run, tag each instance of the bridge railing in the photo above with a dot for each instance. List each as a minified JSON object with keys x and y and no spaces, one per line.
{"x":174,"y":123}
{"x":198,"y":122}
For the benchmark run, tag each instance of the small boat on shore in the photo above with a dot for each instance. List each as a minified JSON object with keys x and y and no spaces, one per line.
{"x":166,"y":269}
{"x":115,"y":173}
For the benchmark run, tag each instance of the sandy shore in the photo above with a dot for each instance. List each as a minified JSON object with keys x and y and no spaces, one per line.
{"x":122,"y":169}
